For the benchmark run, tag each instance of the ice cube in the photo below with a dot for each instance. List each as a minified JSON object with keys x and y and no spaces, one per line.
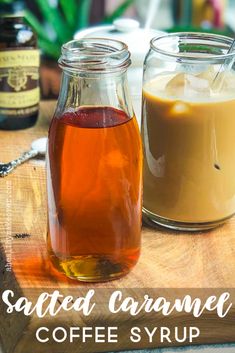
{"x":208,"y":75}
{"x":197,"y":83}
{"x":196,"y":86}
{"x":175,"y":86}
{"x":188,"y":86}
{"x":225,"y":82}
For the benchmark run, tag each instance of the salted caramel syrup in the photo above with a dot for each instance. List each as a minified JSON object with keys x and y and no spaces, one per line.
{"x":94,"y":193}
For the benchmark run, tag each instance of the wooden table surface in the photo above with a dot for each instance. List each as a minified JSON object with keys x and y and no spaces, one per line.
{"x":168,"y":260}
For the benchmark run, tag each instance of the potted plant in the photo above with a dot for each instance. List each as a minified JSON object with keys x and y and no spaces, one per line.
{"x":59,"y":22}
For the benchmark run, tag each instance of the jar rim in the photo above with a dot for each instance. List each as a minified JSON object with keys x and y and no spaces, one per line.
{"x":95,"y":55}
{"x":216,"y":38}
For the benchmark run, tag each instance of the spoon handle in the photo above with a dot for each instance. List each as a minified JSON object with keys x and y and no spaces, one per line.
{"x":6,"y":168}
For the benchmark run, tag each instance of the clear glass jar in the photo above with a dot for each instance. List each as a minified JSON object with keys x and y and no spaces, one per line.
{"x":188,"y":131}
{"x":94,"y":165}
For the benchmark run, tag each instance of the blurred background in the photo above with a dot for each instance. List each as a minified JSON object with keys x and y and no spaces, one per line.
{"x":58,"y":21}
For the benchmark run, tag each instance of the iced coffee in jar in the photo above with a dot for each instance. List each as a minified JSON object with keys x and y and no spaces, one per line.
{"x":188,"y":131}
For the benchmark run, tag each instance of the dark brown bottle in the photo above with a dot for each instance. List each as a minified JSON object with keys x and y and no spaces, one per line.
{"x":19,"y":70}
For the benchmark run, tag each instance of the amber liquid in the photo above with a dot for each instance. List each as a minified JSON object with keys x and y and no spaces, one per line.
{"x":94,"y":193}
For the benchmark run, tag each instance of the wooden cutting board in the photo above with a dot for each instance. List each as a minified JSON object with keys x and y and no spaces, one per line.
{"x":169,"y":260}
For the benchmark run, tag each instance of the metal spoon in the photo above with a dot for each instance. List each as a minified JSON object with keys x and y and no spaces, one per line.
{"x":38,"y":147}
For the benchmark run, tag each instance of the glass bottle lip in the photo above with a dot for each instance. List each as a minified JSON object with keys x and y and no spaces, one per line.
{"x":221,"y":42}
{"x":97,"y":55}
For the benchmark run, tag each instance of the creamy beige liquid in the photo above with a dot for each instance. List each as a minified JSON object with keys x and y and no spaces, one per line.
{"x":188,"y":132}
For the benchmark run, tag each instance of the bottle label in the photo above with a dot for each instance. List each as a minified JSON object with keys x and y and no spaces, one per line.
{"x":19,"y":76}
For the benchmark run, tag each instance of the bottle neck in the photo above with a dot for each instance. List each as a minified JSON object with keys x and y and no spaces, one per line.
{"x":108,"y":89}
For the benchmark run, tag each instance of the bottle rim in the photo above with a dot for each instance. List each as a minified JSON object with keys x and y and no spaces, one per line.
{"x":98,"y":55}
{"x":220,"y":43}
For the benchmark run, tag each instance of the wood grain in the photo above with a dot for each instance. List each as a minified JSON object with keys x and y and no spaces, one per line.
{"x":168,"y":259}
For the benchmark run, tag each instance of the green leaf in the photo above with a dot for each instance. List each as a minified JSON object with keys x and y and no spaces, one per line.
{"x":226,"y":31}
{"x":119,"y":11}
{"x":6,"y":1}
{"x":70,"y":9}
{"x":53,"y":16}
{"x":49,"y":48}
{"x":83,"y":15}
{"x":33,"y":21}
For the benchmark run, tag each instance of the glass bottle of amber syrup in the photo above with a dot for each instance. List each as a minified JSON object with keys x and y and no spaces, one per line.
{"x":94,"y":165}
{"x":19,"y":69}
